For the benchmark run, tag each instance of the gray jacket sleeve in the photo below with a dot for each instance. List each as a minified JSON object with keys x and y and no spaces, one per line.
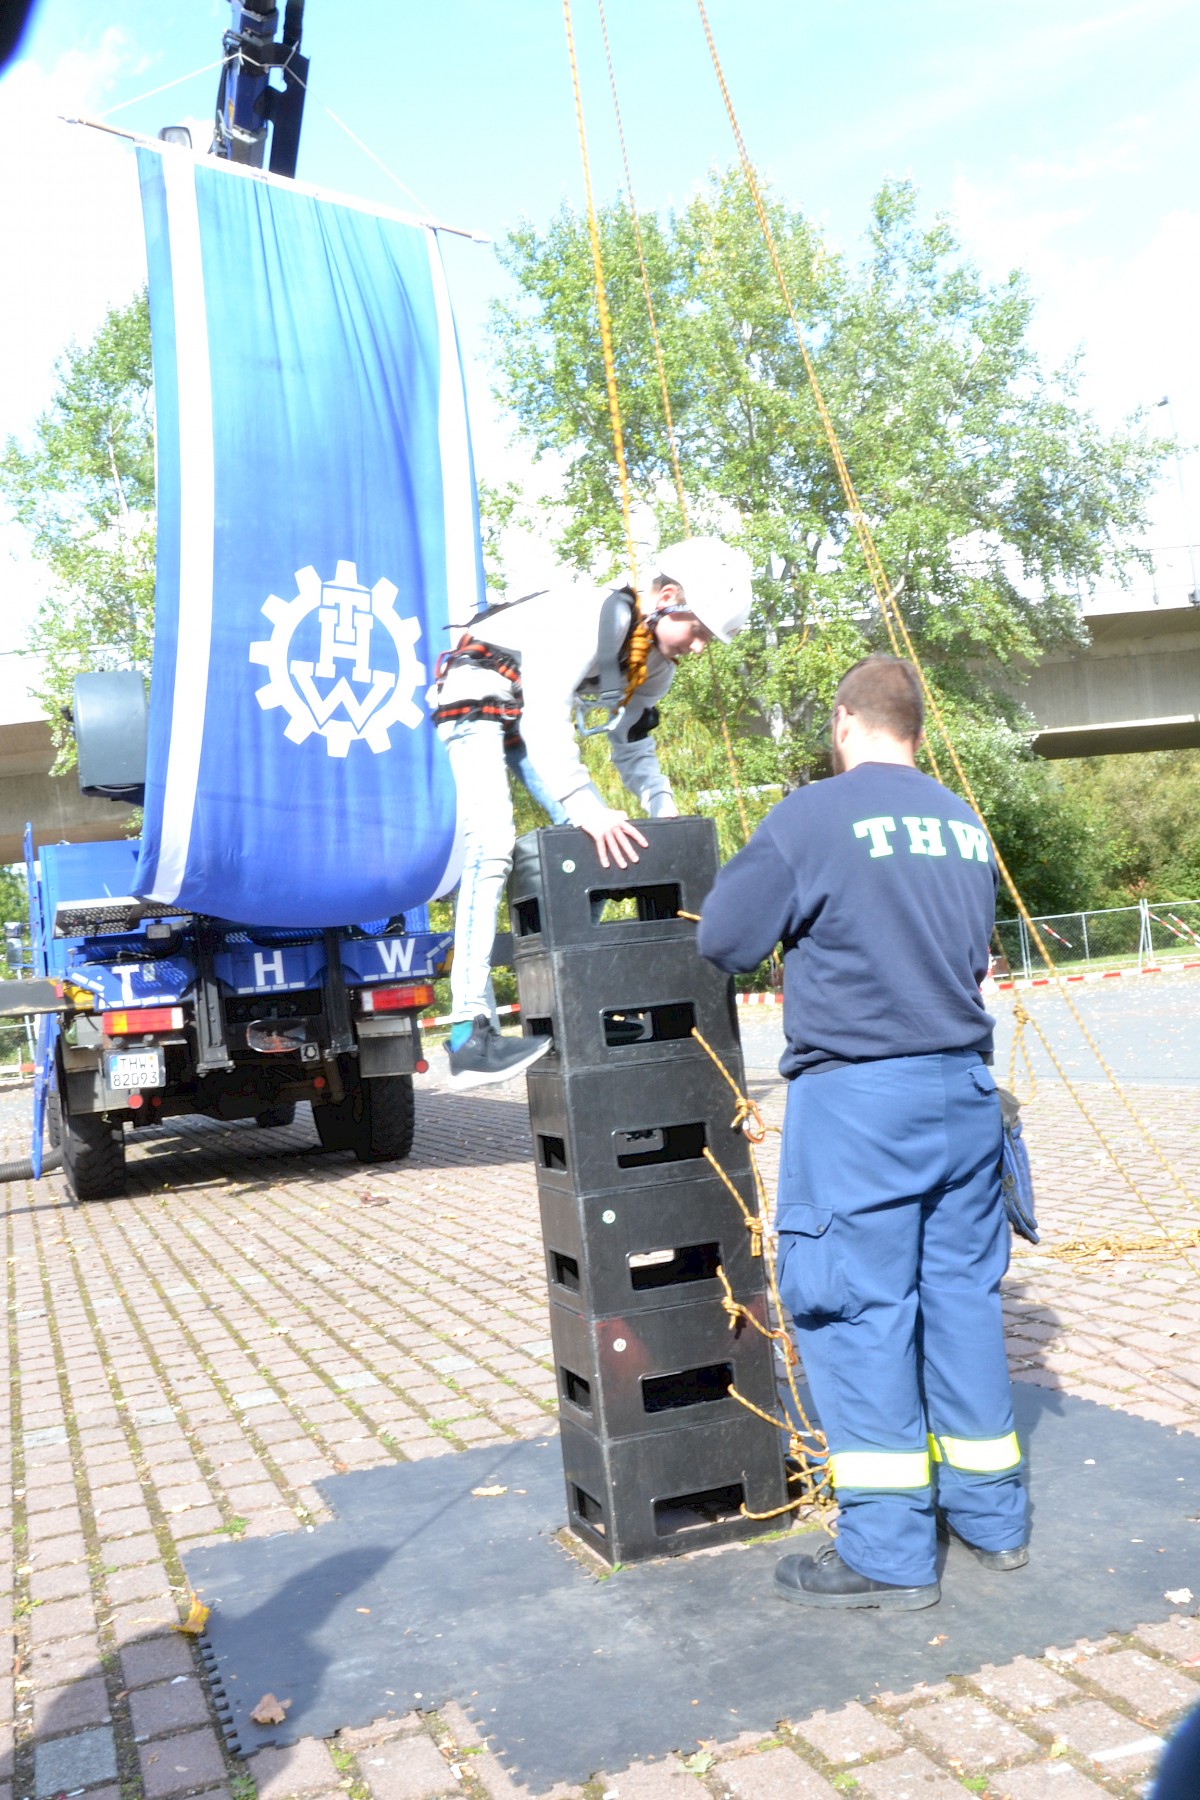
{"x":637,"y":762}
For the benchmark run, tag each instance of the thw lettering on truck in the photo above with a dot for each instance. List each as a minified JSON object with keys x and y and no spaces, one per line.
{"x":924,"y":837}
{"x":396,"y":954}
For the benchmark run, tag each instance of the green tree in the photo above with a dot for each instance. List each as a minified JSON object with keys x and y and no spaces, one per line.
{"x":991,"y":492}
{"x":84,"y":490}
{"x":1148,"y":808}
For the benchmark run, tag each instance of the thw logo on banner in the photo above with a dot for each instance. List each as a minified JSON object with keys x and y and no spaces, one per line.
{"x":311,"y":430}
{"x":358,"y":678}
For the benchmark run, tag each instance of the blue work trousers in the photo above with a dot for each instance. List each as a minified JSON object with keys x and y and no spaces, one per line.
{"x":892,"y":1244}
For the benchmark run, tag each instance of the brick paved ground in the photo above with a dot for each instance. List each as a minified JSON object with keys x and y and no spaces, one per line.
{"x":187,"y":1363}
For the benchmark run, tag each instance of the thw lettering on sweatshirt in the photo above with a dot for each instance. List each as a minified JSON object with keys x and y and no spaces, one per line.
{"x":922,"y":836}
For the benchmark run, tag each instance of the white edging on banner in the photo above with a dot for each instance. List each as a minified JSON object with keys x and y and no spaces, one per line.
{"x":196,"y":510}
{"x":458,"y":496}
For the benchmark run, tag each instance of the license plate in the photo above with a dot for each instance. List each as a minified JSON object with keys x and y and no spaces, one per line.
{"x":137,"y":1069}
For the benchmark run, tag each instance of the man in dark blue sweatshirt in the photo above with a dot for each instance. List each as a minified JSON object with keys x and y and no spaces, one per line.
{"x":881,"y":886}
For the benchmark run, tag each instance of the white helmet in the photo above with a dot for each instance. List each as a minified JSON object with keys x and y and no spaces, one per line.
{"x":715,"y":578}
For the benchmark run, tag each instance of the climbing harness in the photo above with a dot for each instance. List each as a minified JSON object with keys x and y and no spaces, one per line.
{"x":625,"y":640}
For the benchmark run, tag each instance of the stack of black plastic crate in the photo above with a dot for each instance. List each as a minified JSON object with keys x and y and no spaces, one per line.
{"x":658,"y":1456}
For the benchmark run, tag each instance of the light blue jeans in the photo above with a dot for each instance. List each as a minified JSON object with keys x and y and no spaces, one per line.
{"x":480,"y":766}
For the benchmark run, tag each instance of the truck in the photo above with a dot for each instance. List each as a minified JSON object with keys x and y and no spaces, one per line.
{"x":149,"y":1012}
{"x":151,"y":1009}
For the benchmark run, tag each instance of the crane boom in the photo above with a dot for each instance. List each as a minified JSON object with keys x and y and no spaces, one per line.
{"x":248,"y":107}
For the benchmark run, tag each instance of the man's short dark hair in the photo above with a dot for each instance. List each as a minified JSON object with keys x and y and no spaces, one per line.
{"x":885,"y":693}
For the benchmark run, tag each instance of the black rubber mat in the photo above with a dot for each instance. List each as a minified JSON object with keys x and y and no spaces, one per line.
{"x":421,"y":1591}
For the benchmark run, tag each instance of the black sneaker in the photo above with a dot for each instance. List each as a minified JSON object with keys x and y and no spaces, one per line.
{"x":487,"y":1057}
{"x":825,"y":1580}
{"x":1002,"y":1560}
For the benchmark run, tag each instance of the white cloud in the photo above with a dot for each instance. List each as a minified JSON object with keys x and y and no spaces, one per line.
{"x":1116,"y":277}
{"x":71,"y":223}
{"x":968,"y":80}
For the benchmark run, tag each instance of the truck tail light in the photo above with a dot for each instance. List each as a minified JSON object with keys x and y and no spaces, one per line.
{"x":396,"y":999}
{"x":143,"y":1019}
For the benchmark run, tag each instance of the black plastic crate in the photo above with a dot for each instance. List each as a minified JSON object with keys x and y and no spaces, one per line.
{"x":638,"y":1249}
{"x":606,"y":1007}
{"x":671,"y":1492}
{"x":560,"y":896}
{"x":597,"y":1129}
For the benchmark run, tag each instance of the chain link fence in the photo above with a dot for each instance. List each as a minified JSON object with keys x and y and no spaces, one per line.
{"x":1147,"y":935}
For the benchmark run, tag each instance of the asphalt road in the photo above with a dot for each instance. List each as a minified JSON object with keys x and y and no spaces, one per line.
{"x":1147,"y":1028}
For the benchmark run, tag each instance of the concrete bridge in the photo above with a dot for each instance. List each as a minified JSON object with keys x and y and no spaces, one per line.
{"x":27,"y":788}
{"x":1136,"y":686}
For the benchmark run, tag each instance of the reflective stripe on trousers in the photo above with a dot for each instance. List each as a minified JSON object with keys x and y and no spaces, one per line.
{"x":977,"y":1456}
{"x":894,"y":1470}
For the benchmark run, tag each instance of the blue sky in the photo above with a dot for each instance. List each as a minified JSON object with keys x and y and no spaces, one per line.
{"x":1062,"y":138}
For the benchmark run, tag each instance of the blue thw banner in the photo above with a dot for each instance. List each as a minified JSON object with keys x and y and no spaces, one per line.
{"x":317,"y":528}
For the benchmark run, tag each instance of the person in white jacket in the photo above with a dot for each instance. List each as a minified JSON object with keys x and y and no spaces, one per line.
{"x":510,"y":686}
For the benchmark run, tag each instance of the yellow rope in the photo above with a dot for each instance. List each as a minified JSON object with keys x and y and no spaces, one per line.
{"x":606,"y":344}
{"x":668,"y":417}
{"x":807,"y":1446}
{"x":898,"y":631}
{"x":1107,"y":1249}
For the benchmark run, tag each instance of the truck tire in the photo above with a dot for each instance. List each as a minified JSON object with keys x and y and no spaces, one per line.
{"x":376,"y":1119}
{"x":272,"y":1116}
{"x":387,"y":1123}
{"x":93,"y":1156}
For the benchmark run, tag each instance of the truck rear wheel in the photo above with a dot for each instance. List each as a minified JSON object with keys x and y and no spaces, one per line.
{"x":93,"y":1156}
{"x":376,"y":1119}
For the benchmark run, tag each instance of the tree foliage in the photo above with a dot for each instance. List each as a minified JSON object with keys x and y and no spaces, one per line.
{"x":1145,"y":819}
{"x":84,"y":490}
{"x":990,"y":490}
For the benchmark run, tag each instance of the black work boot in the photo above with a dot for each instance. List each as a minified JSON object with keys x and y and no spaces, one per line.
{"x":1016,"y":1558}
{"x":825,"y":1580}
{"x":487,"y":1057}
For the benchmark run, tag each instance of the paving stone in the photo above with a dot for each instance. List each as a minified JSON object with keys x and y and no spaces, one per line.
{"x":1023,"y":1685}
{"x":130,"y":1551}
{"x":52,"y":1665}
{"x":75,"y":1762}
{"x":57,"y":1537}
{"x":303,"y":1768}
{"x":849,"y":1734}
{"x":156,"y":1659}
{"x":361,"y":1737}
{"x":61,"y":1619}
{"x":1148,"y":1686}
{"x":191,"y":1760}
{"x":1177,"y":1637}
{"x":64,"y":1582}
{"x":666,"y":1780}
{"x":62,"y":1709}
{"x":967,"y":1731}
{"x":774,"y":1775}
{"x":167,"y":1706}
{"x":407,"y":1768}
{"x":145,"y":1581}
{"x":1117,"y":1745}
{"x":908,"y":1777}
{"x":1043,"y":1781}
{"x":51,"y":1498}
{"x":916,"y":1696}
